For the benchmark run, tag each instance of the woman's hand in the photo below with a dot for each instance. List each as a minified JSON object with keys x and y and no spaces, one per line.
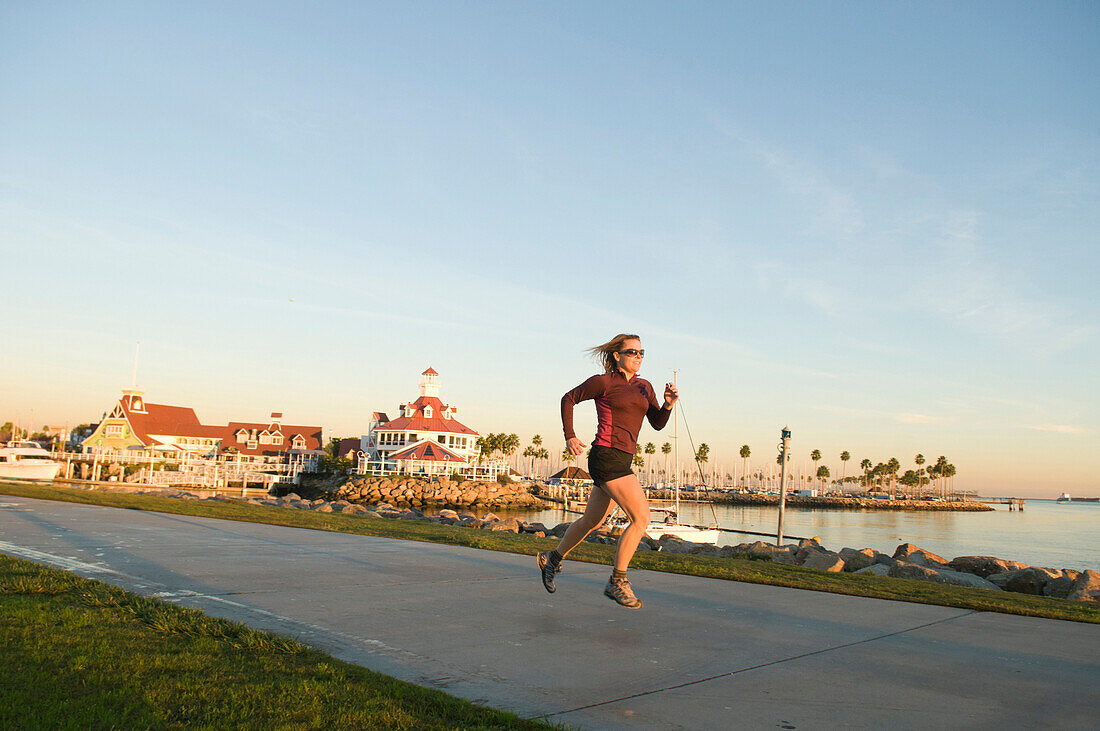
{"x":672,"y":395}
{"x":575,"y":447}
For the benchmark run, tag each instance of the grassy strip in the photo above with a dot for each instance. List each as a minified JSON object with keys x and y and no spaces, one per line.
{"x":733,"y":569}
{"x":84,"y":654}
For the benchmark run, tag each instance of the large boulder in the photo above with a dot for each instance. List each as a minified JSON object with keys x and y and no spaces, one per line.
{"x":913,"y":554}
{"x":509,"y":525}
{"x":961,"y":578}
{"x":906,"y":570}
{"x":1086,"y":587}
{"x":855,"y":560}
{"x":876,"y":569}
{"x":983,"y":566}
{"x":559,"y":530}
{"x":780,"y":554}
{"x":534,"y":528}
{"x":674,"y":544}
{"x":1060,"y":586}
{"x":1025,"y":581}
{"x":824,"y":561}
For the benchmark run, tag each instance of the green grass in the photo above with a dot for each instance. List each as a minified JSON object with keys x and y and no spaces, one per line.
{"x":83,"y":654}
{"x":733,"y":569}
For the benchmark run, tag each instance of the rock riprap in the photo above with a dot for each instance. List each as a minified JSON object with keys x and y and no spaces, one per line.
{"x":415,"y":492}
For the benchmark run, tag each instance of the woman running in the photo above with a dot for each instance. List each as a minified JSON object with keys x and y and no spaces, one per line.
{"x":623,"y":399}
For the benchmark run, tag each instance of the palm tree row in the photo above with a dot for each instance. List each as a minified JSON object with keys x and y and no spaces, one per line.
{"x":878,"y":477}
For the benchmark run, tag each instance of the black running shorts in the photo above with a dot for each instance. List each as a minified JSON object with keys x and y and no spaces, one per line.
{"x":607,"y":463}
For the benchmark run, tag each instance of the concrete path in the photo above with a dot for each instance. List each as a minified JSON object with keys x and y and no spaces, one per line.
{"x":702,"y":654}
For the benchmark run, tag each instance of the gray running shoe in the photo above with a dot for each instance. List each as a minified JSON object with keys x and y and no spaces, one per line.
{"x":548,"y":572}
{"x":619,"y":590}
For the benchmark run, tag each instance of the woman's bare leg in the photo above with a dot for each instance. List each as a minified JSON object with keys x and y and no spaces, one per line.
{"x":627,"y":492}
{"x":599,"y":505}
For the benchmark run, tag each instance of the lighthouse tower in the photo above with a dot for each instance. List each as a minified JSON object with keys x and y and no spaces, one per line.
{"x":429,"y":383}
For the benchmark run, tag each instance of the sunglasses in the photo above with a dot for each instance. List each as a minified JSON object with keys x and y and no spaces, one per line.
{"x":632,"y":351}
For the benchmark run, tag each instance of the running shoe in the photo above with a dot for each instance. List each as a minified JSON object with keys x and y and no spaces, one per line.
{"x":548,"y":572}
{"x":619,"y":590}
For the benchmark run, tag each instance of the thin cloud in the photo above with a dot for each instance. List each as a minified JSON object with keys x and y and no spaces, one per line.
{"x":1057,"y":428}
{"x":918,"y":419}
{"x":970,"y":287}
{"x":836,"y":210}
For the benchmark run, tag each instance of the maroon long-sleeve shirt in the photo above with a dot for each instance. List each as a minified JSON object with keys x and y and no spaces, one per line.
{"x":621,"y":405}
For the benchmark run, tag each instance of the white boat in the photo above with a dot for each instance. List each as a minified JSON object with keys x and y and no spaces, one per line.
{"x":1065,"y":498}
{"x":24,"y":460}
{"x":671,"y":525}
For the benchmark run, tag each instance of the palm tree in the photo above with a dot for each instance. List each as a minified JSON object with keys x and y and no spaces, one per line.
{"x":530,"y":454}
{"x":865,"y":465}
{"x":919,"y":460}
{"x":745,"y":452}
{"x":844,"y":457}
{"x":650,"y":450}
{"x":543,"y":455}
{"x":941,"y":467}
{"x":666,"y":449}
{"x":893,"y":466}
{"x":815,"y":456}
{"x":701,"y":456}
{"x":822,"y":474}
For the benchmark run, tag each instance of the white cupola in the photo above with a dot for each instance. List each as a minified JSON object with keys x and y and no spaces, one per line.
{"x":429,"y":383}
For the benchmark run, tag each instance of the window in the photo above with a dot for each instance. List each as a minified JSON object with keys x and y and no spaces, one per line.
{"x":452,"y":440}
{"x":276,"y":438}
{"x":114,"y":430}
{"x":412,"y":437}
{"x":242,"y":436}
{"x":443,"y":439}
{"x":299,"y":443}
{"x":265,"y":438}
{"x":427,"y":412}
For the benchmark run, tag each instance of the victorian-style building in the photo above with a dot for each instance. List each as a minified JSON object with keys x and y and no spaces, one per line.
{"x":135,"y":425}
{"x":425,"y":437}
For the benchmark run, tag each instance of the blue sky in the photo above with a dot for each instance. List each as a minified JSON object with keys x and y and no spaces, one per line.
{"x":875,"y":222}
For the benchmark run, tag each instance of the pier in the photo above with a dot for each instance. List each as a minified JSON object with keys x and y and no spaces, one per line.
{"x":1013,"y":503}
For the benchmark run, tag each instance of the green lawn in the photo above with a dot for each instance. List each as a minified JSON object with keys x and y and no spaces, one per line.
{"x":82,"y":654}
{"x":734,"y":569}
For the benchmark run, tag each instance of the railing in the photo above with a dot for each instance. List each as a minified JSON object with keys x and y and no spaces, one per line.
{"x":421,"y":468}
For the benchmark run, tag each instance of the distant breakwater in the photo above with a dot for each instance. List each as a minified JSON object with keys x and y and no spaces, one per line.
{"x":831,"y":502}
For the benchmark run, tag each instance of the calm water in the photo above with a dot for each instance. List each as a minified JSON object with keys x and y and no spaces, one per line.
{"x":1046,"y":533}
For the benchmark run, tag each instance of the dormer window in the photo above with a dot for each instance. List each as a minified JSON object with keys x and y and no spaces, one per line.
{"x":427,"y":412}
{"x":242,"y":436}
{"x":298,"y":442}
{"x":408,"y":412}
{"x":265,"y":438}
{"x":276,"y":438}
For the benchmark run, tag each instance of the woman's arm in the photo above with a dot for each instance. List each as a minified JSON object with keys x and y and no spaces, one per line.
{"x":592,"y":388}
{"x":657,"y":414}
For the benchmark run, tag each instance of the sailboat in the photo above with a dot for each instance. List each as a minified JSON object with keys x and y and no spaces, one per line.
{"x":671,"y":524}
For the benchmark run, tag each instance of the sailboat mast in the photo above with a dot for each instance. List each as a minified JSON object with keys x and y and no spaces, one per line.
{"x":676,"y":441}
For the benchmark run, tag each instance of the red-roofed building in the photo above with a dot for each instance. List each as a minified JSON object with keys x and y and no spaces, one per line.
{"x":426,"y":437}
{"x":134,"y":424}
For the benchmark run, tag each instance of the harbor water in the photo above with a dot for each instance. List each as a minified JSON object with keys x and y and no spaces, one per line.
{"x":1045,"y":533}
